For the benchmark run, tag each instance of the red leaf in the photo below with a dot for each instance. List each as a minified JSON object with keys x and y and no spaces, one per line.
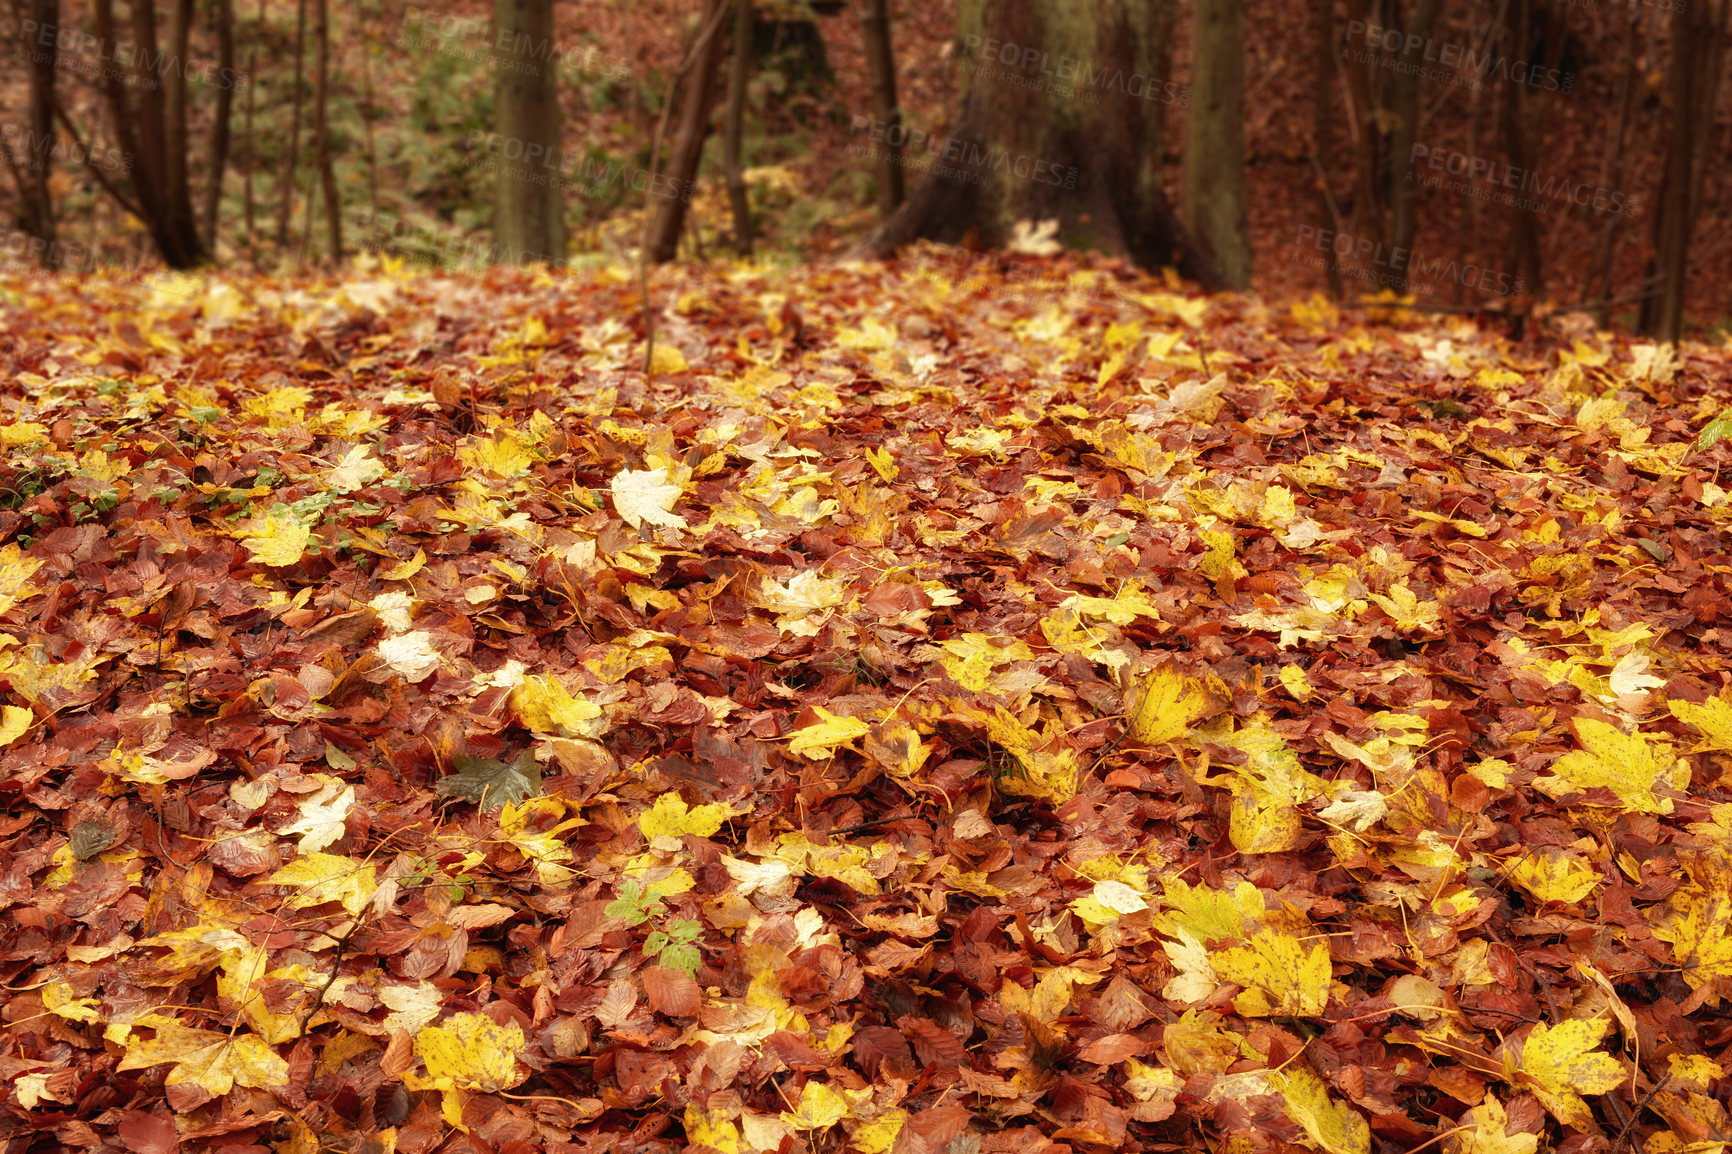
{"x":933,"y":1044}
{"x":1112,"y":1049}
{"x":671,"y":992}
{"x":149,"y":1133}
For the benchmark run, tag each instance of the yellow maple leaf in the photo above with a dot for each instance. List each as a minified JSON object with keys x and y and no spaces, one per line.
{"x":468,"y":1052}
{"x":820,"y":1108}
{"x":1712,"y":719}
{"x":1487,"y":1133}
{"x":15,"y":573}
{"x":1280,"y":976}
{"x":704,"y":1128}
{"x":1560,"y":1064}
{"x":1166,"y":707}
{"x":1699,"y":926}
{"x":971,"y":658}
{"x":1337,"y":1128}
{"x":670,"y":818}
{"x":211,"y":1061}
{"x":507,"y":456}
{"x":882,"y":464}
{"x":879,"y":1135}
{"x":544,"y":705}
{"x":277,"y":540}
{"x":1047,"y":774}
{"x":823,"y":738}
{"x":15,"y":721}
{"x":1408,"y":613}
{"x":1050,"y":995}
{"x":1630,"y":765}
{"x":1553,"y":874}
{"x":324,"y":877}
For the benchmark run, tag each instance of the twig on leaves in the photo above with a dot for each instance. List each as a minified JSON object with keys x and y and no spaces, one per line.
{"x":1636,"y":1113}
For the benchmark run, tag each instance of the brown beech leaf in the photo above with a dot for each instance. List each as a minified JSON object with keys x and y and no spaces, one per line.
{"x":933,"y":1044}
{"x":671,"y":992}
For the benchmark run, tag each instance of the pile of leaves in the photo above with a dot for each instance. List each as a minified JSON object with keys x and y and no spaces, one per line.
{"x":947,"y":706}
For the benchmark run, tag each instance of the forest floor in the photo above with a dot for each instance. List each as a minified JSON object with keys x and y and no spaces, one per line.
{"x":947,"y":706}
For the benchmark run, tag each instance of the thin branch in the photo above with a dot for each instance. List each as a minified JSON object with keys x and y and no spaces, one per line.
{"x":84,"y":155}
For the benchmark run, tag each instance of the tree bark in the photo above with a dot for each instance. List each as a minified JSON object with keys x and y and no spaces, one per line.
{"x":1697,"y":32}
{"x":529,"y":208}
{"x":286,"y":183}
{"x":153,"y":129}
{"x":252,"y":142}
{"x":1074,"y":135}
{"x":881,"y":68}
{"x":1214,"y":171}
{"x":322,"y":128}
{"x":1519,"y":146}
{"x":1405,"y":90}
{"x":697,"y":101}
{"x":224,"y":18}
{"x":734,"y":123}
{"x":36,"y":166}
{"x":1323,"y":129}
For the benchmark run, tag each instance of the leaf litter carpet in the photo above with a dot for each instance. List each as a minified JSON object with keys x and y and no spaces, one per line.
{"x":947,"y":707}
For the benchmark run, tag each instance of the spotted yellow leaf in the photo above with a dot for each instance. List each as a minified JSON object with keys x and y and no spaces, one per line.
{"x":1333,"y":1126}
{"x":277,"y":540}
{"x":824,"y":737}
{"x":1561,"y":1063}
{"x":1165,"y":707}
{"x":1632,"y":765}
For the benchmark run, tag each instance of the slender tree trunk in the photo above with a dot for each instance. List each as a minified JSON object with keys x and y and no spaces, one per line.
{"x":224,"y":18}
{"x":1214,"y":201}
{"x":36,"y":166}
{"x":1323,"y":127}
{"x":881,"y":68}
{"x":322,"y":128}
{"x":367,"y":113}
{"x":285,"y":205}
{"x":1364,"y":83}
{"x":1405,"y":93}
{"x":181,"y":220}
{"x":152,"y":131}
{"x":1044,"y":141}
{"x":529,"y":207}
{"x":697,"y":101}
{"x":734,"y":121}
{"x":1612,"y":166}
{"x":252,"y":142}
{"x":1518,"y":146}
{"x":1696,"y":28}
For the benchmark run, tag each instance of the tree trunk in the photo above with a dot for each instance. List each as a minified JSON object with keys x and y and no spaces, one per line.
{"x":697,"y":101}
{"x":881,"y":68}
{"x":180,"y":220}
{"x":1073,"y":135}
{"x":734,"y":121}
{"x":224,"y":18}
{"x":35,"y":167}
{"x":1323,"y":129}
{"x":252,"y":142}
{"x":322,"y":128}
{"x":1697,"y":32}
{"x":286,"y":203}
{"x":1404,"y":100}
{"x":529,"y":209}
{"x":1519,"y":147}
{"x":153,"y":129}
{"x":1214,"y":170}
